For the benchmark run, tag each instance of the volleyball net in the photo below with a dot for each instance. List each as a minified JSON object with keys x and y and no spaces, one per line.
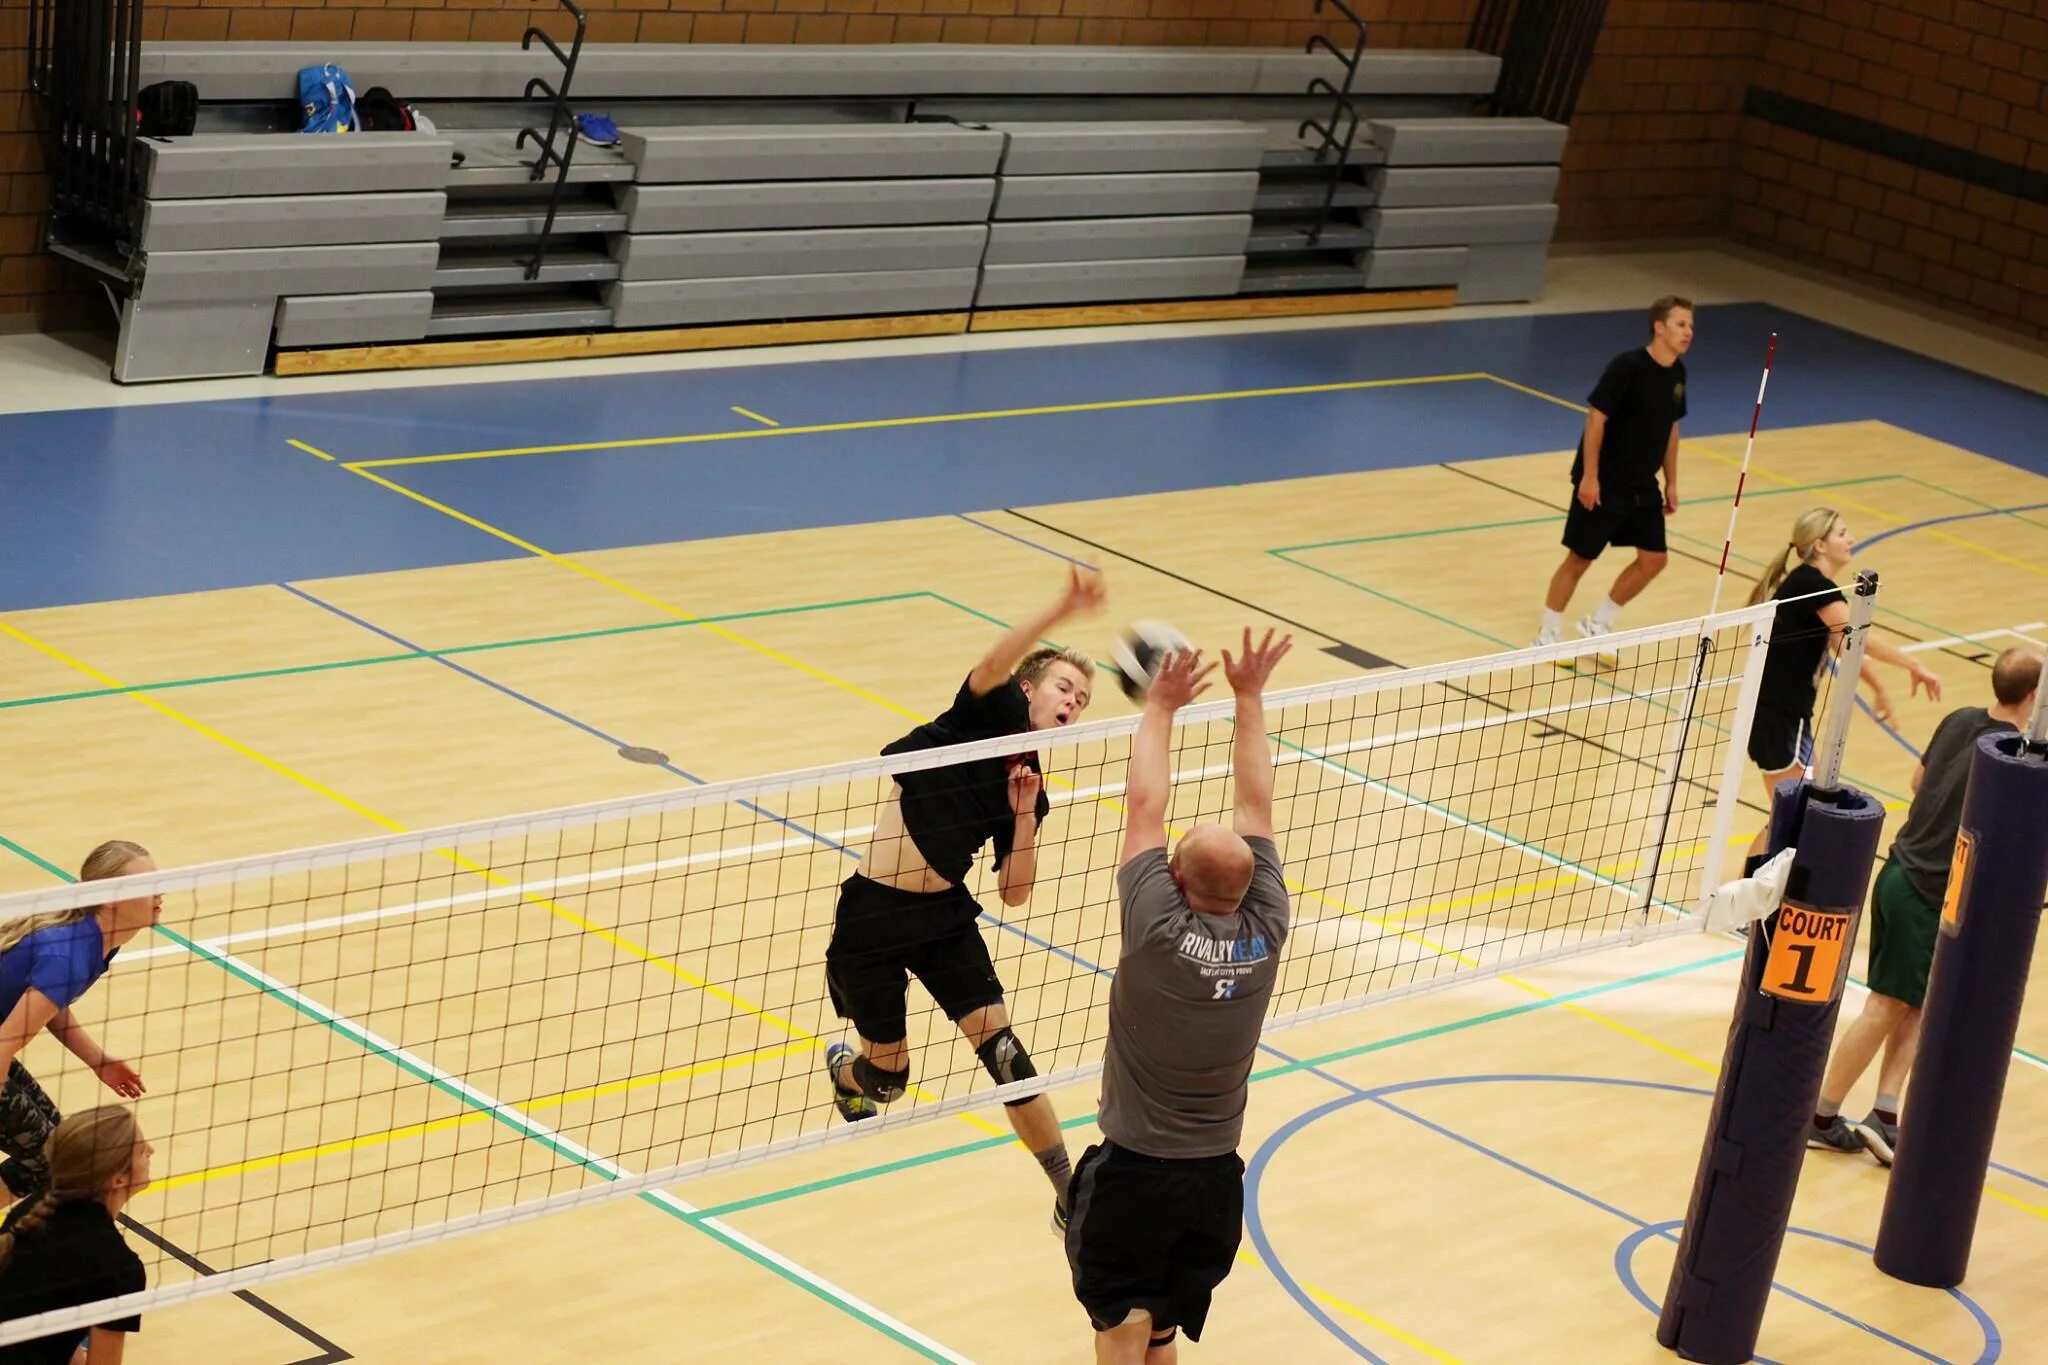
{"x":368,"y":1046}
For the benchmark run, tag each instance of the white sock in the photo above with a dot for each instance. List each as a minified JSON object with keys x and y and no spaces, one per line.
{"x":1606,"y":611}
{"x":1553,"y":622}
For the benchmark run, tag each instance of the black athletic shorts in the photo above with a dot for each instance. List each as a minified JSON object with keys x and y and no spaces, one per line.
{"x":1624,"y":517}
{"x":880,"y":934}
{"x":1779,"y":740}
{"x":1153,"y":1233}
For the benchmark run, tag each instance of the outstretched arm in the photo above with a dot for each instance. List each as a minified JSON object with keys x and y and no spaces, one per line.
{"x":120,"y":1077}
{"x":1148,"y":785}
{"x":1251,"y":758}
{"x":1084,"y":592}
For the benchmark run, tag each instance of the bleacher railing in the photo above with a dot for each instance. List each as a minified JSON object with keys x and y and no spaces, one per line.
{"x":85,"y":60}
{"x":560,"y":121}
{"x":1545,"y":48}
{"x":1333,"y":147}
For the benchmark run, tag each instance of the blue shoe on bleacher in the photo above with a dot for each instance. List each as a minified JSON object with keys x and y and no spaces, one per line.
{"x":597,"y":130}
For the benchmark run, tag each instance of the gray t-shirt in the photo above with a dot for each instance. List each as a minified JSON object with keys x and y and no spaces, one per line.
{"x":1185,"y":1011}
{"x":1925,"y":846}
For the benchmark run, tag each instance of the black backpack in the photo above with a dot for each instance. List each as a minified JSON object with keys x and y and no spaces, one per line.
{"x":378,"y":112}
{"x":166,"y":109}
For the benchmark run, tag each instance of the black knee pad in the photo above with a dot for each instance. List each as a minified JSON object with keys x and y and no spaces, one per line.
{"x":883,"y":1087}
{"x":1005,"y":1059}
{"x":1163,"y":1338}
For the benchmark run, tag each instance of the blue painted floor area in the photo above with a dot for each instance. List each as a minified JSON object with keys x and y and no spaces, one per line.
{"x":115,"y":503}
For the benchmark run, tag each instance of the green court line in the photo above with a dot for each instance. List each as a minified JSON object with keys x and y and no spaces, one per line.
{"x":504,"y":1113}
{"x":30,"y":855}
{"x":833,"y":1182}
{"x":298,"y":669}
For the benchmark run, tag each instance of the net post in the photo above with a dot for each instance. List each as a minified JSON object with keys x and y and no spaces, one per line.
{"x":1827,"y":758}
{"x":2037,"y":724}
{"x":1971,"y":1016}
{"x":1777,"y":1050}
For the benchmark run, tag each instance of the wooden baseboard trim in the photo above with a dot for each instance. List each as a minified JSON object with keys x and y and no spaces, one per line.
{"x":415,"y":355}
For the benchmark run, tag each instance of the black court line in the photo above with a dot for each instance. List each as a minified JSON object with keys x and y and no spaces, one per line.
{"x":330,"y":1354}
{"x":1710,"y":562}
{"x":1341,"y":644}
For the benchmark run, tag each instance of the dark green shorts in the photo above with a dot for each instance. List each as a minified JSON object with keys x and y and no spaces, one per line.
{"x":1903,"y":928}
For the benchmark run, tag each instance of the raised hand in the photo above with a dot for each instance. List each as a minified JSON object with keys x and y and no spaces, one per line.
{"x":1249,"y":671}
{"x":1087,"y":590}
{"x":1181,"y":678}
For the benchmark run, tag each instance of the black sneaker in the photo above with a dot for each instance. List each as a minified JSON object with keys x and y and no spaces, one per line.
{"x":853,"y":1106}
{"x":1839,"y":1136}
{"x":1880,"y":1137}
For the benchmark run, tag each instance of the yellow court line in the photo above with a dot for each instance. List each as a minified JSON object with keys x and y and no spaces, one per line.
{"x":648,"y":599}
{"x":927,"y":419}
{"x":1853,"y":504}
{"x":301,"y":445}
{"x":557,"y":1101}
{"x":749,"y":412}
{"x":1378,"y":1324}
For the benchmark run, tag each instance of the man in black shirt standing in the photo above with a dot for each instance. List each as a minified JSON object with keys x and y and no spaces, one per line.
{"x":1905,"y":915}
{"x":1631,"y":433}
{"x":908,"y":911}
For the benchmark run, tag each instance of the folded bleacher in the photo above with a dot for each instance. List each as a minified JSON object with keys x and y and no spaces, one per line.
{"x":763,"y":184}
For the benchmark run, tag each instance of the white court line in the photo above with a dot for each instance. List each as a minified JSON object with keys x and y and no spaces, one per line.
{"x":2021,"y":631}
{"x":509,"y":1115}
{"x":510,"y":892}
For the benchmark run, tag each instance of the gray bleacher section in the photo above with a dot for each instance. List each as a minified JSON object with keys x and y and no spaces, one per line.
{"x":1030,"y":176}
{"x":320,"y":239}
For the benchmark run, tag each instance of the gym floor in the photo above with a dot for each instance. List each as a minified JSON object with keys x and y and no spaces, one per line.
{"x":239,"y":619}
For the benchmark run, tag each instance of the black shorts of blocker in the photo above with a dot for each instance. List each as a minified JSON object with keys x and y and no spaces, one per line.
{"x":882,"y":936}
{"x":1155,"y":1233}
{"x":1624,"y":517}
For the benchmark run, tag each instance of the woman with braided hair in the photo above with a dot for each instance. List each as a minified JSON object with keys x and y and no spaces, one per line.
{"x":62,"y":1248}
{"x":46,"y":962}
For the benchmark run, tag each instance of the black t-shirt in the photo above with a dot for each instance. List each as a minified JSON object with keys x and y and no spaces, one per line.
{"x":1926,"y":843}
{"x":77,"y":1256}
{"x":951,"y":812}
{"x":1799,"y":642}
{"x":1641,"y":400}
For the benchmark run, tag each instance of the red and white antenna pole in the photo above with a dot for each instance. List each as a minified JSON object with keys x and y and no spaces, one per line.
{"x":1728,"y":541}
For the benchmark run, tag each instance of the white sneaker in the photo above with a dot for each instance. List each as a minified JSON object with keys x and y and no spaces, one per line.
{"x":1549,"y":635}
{"x":1591,"y":629}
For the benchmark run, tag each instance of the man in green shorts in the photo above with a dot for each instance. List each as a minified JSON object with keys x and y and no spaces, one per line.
{"x":1905,"y":916}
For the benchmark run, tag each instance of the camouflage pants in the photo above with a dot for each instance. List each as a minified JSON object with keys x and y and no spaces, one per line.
{"x":27,"y":1118}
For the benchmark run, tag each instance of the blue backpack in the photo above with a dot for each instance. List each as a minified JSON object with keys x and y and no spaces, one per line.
{"x":327,"y":100}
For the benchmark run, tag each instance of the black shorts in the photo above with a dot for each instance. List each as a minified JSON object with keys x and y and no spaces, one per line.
{"x":1153,"y":1233}
{"x":1779,"y":740}
{"x":880,"y":934}
{"x":1624,"y":517}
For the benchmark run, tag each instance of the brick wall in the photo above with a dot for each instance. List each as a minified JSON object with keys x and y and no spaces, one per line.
{"x":1652,"y":141}
{"x":1933,"y":96}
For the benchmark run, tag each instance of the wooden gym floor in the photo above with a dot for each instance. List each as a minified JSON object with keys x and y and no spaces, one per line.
{"x":253,"y":624}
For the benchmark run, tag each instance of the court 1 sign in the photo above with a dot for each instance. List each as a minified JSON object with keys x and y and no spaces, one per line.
{"x":1808,"y":953}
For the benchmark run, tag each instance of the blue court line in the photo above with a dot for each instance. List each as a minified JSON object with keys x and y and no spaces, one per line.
{"x":545,"y":709}
{"x":1255,"y":1174}
{"x":1624,"y":1267}
{"x":1007,"y":535}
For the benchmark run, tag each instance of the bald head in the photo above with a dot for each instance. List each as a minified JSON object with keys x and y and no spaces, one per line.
{"x":1214,"y":868}
{"x":2015,"y":676}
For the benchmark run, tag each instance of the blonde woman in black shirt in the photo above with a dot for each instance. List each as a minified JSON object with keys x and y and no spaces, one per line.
{"x":62,"y":1248}
{"x":1811,"y":617}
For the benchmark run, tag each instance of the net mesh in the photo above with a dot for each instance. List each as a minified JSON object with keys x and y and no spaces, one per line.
{"x":366,"y":1046}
